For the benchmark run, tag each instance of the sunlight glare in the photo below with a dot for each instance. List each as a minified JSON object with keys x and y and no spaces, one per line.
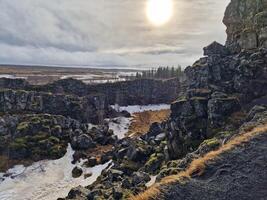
{"x":159,"y":12}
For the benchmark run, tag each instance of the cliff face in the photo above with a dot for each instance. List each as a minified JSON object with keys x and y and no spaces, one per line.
{"x":137,"y":92}
{"x":85,"y":109}
{"x":246,"y":22}
{"x":227,"y":80}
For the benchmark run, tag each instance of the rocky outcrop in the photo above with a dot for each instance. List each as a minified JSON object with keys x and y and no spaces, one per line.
{"x":139,"y":92}
{"x":136,"y":92}
{"x":13,"y":83}
{"x":239,"y":174}
{"x":85,"y":109}
{"x":35,"y":137}
{"x":218,"y":86}
{"x":246,"y":22}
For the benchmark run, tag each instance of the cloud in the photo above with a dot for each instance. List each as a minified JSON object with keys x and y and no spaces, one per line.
{"x":105,"y":33}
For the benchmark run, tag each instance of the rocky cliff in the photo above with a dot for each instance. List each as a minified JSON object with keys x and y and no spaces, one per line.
{"x":84,"y":109}
{"x":136,"y":92}
{"x":246,"y":24}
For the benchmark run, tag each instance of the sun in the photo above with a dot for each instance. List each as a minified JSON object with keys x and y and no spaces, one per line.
{"x":159,"y":12}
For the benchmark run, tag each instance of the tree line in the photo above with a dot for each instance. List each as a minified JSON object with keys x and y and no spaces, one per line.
{"x":161,"y":73}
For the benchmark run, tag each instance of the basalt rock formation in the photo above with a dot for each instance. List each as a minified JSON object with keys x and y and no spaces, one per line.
{"x":135,"y":92}
{"x":84,"y":109}
{"x":246,"y":24}
{"x":34,"y":137}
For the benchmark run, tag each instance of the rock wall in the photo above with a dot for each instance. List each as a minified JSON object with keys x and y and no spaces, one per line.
{"x":136,"y":92}
{"x":246,"y":22}
{"x":13,"y":83}
{"x":224,"y":82}
{"x":139,"y":92}
{"x":85,"y":109}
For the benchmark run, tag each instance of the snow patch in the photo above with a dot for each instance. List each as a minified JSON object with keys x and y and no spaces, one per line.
{"x":141,"y":108}
{"x":152,"y":181}
{"x":46,"y":180}
{"x":120,"y":126}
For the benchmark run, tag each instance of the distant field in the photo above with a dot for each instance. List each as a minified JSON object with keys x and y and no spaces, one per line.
{"x":42,"y":75}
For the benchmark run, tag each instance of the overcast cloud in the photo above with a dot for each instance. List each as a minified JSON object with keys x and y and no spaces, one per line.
{"x":106,"y":33}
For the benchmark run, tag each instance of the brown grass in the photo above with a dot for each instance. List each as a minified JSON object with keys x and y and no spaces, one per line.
{"x":142,"y":121}
{"x":99,"y":151}
{"x":198,"y":166}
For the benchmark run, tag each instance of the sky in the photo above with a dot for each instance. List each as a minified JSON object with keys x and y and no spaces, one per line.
{"x":106,"y":33}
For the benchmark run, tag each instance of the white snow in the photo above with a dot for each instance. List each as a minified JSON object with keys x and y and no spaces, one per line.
{"x":139,"y":108}
{"x":152,"y":181}
{"x":11,"y":76}
{"x":120,"y":126}
{"x":46,"y":180}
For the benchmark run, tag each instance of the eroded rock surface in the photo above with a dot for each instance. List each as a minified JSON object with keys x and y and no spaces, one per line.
{"x":246,"y":22}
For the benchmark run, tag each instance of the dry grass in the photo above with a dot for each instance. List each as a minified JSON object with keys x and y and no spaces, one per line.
{"x":198,"y":166}
{"x":142,"y":121}
{"x":99,"y":151}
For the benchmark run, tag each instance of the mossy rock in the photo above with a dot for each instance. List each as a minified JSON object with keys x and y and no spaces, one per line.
{"x":36,"y":120}
{"x":54,"y":140}
{"x":212,"y":143}
{"x":19,"y":143}
{"x":130,"y":165}
{"x":40,"y":136}
{"x":23,"y":126}
{"x":56,"y":129}
{"x":57,"y":151}
{"x":169,"y":171}
{"x":261,"y":18}
{"x":154,"y":162}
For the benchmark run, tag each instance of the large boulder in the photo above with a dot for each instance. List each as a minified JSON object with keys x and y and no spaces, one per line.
{"x":82,"y":142}
{"x":220,"y":107}
{"x":76,"y":172}
{"x":215,"y":48}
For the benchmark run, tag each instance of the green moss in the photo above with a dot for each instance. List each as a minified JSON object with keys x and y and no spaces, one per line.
{"x":36,"y":120}
{"x":154,"y":160}
{"x":130,"y":165}
{"x":214,"y":142}
{"x":57,"y":151}
{"x":19,"y":143}
{"x":224,"y":133}
{"x":23,"y":126}
{"x":53,"y":139}
{"x":40,"y":136}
